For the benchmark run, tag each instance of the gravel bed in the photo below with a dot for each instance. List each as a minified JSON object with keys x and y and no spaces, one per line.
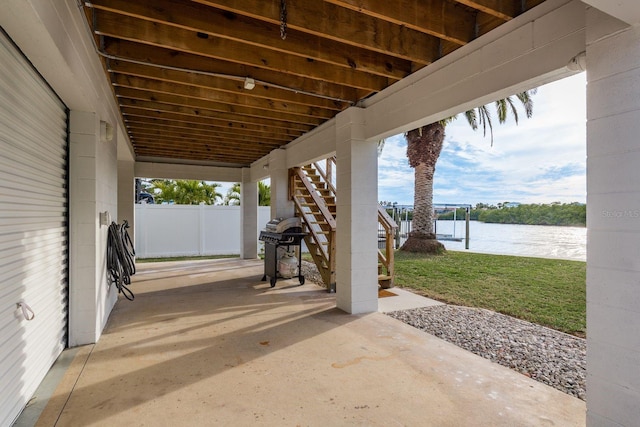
{"x":546,"y":355}
{"x":310,"y":272}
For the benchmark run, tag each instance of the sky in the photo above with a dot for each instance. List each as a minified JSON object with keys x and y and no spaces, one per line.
{"x":539,"y":160}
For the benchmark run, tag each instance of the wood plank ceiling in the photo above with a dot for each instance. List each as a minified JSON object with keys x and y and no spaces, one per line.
{"x":182,"y":70}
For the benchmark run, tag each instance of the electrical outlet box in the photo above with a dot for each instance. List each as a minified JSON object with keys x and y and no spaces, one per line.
{"x":105,"y":218}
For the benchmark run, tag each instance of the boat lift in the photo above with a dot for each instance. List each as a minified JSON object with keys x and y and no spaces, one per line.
{"x":454,"y":207}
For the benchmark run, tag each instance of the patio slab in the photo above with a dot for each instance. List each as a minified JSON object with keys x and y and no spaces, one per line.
{"x":208,"y":343}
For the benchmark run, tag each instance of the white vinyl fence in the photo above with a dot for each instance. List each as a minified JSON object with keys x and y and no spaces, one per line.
{"x":190,"y":230}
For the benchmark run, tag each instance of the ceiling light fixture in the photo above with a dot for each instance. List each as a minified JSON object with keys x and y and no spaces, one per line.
{"x":249,"y":83}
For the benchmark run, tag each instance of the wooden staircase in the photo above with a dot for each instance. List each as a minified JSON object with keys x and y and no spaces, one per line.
{"x":314,"y":195}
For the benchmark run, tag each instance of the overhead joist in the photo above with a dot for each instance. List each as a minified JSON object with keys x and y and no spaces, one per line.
{"x":214,"y":22}
{"x":173,"y":126}
{"x":140,"y":132}
{"x":168,"y":155}
{"x":154,"y":34}
{"x":222,"y":84}
{"x":209,"y":147}
{"x":195,"y":92}
{"x":339,"y":24}
{"x":169,"y":58}
{"x":144,"y":95}
{"x":242,"y":142}
{"x":440,"y":18}
{"x":141,"y":115}
{"x":150,"y":147}
{"x":151,"y":107}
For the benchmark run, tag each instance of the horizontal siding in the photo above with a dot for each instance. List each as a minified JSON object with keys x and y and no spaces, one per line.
{"x":33,"y":229}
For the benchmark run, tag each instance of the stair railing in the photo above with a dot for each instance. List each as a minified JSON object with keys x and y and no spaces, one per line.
{"x":320,"y":240}
{"x":386,"y":258}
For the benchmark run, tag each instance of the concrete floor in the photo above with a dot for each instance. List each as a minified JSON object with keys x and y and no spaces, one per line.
{"x":207,"y":343}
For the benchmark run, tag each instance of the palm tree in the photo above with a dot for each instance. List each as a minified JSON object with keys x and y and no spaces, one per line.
{"x":185,"y":192}
{"x":233,"y":194}
{"x":423,"y":149}
{"x":264,"y":194}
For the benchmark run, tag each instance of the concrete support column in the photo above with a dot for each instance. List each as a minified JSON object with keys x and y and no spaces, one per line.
{"x":281,"y":206}
{"x":126,"y":195}
{"x":357,"y":219}
{"x":248,"y":217}
{"x":613,"y":221}
{"x":92,"y":190}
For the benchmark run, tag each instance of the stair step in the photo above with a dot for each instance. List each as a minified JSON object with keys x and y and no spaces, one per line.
{"x":384,"y":281}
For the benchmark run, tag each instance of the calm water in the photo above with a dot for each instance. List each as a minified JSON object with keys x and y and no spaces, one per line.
{"x":525,"y":240}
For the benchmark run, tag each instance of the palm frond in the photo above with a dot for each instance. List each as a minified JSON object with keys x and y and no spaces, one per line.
{"x":514,"y":110}
{"x":472,"y":118}
{"x":527,"y":101}
{"x":501,"y":109}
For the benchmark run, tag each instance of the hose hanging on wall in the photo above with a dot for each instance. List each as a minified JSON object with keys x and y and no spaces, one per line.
{"x":120,"y":258}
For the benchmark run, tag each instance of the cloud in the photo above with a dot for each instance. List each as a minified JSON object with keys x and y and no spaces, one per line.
{"x":540,"y":160}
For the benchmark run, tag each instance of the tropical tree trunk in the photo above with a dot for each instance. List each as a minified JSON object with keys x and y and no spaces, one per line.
{"x":423,"y":149}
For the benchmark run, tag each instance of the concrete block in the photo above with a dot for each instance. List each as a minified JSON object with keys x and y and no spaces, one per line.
{"x":620,"y":289}
{"x":594,"y":419}
{"x":611,"y":402}
{"x":82,"y":122}
{"x":613,"y":250}
{"x":602,"y":180}
{"x":614,"y":326}
{"x":84,"y":189}
{"x":362,"y":307}
{"x":619,"y":51}
{"x":614,"y":134}
{"x":613,"y":95}
{"x":612,"y":363}
{"x":614,"y":212}
{"x":82,"y":145}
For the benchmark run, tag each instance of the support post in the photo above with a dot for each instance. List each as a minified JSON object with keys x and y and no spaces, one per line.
{"x":248,"y":216}
{"x":466,"y":231}
{"x":357,"y":219}
{"x":281,"y":206}
{"x":613,"y":221}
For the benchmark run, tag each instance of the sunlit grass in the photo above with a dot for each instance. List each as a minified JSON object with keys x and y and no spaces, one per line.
{"x":549,"y":292}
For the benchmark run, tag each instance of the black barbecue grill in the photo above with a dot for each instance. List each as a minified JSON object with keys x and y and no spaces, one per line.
{"x":280,"y":233}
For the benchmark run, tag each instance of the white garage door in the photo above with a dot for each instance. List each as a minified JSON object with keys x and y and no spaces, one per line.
{"x":33,"y":229}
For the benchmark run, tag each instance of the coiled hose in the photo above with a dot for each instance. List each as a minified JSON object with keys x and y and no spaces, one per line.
{"x":120,"y":258}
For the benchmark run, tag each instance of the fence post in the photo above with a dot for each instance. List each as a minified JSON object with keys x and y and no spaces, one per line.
{"x":201,"y":226}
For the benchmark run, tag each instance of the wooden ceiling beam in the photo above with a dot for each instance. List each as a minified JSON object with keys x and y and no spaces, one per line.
{"x":170,"y":58}
{"x":211,"y":147}
{"x":140,"y":129}
{"x":188,"y":154}
{"x":340,"y":24}
{"x":150,"y":33}
{"x":221,"y":84}
{"x":124,"y":81}
{"x":220,"y":147}
{"x":133,"y":121}
{"x":503,"y":9}
{"x":191,"y":121}
{"x":439,"y":18}
{"x":143,"y":95}
{"x":224,"y":144}
{"x":151,"y":107}
{"x":188,"y":15}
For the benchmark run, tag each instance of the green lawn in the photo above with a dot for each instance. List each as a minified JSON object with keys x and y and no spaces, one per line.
{"x":545,"y":291}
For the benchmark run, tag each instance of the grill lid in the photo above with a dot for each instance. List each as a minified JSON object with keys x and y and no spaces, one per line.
{"x":280,"y":225}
